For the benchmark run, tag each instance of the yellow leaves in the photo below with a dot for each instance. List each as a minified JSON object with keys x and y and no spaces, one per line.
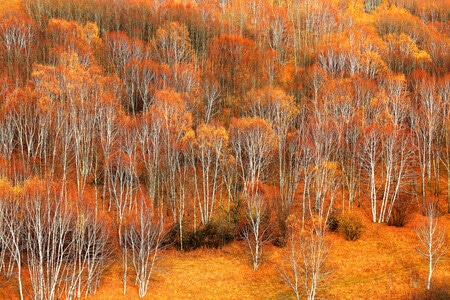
{"x":188,"y":140}
{"x":6,"y":187}
{"x":10,"y":5}
{"x":422,"y":55}
{"x":208,"y":135}
{"x":91,"y":32}
{"x":17,"y":191}
{"x":9,"y":191}
{"x":331,"y":165}
{"x":253,"y":133}
{"x":70,"y":60}
{"x":372,"y":64}
{"x":173,"y":44}
{"x":354,"y":12}
{"x":273,"y":105}
{"x":403,"y":54}
{"x":292,"y":221}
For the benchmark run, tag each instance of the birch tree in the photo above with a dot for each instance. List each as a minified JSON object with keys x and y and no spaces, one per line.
{"x":143,"y":238}
{"x":433,"y":244}
{"x":253,"y":143}
{"x":304,"y":269}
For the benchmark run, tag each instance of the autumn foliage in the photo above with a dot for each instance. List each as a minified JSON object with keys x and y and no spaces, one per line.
{"x":128,"y":128}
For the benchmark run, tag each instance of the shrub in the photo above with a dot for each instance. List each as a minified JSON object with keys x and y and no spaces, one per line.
{"x":333,"y":223}
{"x":401,"y":213}
{"x":350,"y":226}
{"x":215,"y":234}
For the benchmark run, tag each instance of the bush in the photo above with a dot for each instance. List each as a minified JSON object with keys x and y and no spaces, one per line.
{"x":351,"y":227}
{"x":215,"y":234}
{"x":333,"y":223}
{"x":401,"y":213}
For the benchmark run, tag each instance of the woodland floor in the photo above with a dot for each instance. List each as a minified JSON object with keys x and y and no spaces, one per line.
{"x":383,"y":264}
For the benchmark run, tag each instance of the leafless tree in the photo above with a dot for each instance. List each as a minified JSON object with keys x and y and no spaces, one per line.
{"x":48,"y":229}
{"x":30,"y":126}
{"x":123,"y":186}
{"x":211,"y":97}
{"x":18,"y":36}
{"x":425,"y":128}
{"x":83,"y":133}
{"x":305,"y":267}
{"x":205,"y":153}
{"x":322,"y":172}
{"x":140,"y":81}
{"x":396,"y":154}
{"x":370,"y":159}
{"x":280,"y":111}
{"x":143,"y":241}
{"x":169,"y":111}
{"x":443,"y":90}
{"x":12,"y":238}
{"x":89,"y":253}
{"x":371,"y":5}
{"x":7,"y":132}
{"x":149,"y":137}
{"x":433,"y":241}
{"x":256,"y":232}
{"x":253,"y":143}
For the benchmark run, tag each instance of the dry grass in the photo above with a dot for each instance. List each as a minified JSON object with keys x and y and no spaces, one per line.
{"x":206,"y":274}
{"x":381,"y":265}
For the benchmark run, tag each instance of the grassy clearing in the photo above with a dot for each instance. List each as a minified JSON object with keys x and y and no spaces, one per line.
{"x":381,"y":265}
{"x":206,"y":274}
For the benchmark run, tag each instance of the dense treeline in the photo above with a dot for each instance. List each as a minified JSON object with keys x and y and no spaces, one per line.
{"x":195,"y":123}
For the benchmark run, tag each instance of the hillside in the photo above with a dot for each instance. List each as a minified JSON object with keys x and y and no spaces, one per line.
{"x":383,"y":264}
{"x":224,"y":149}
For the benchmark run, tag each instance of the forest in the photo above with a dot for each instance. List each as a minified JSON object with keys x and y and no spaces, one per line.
{"x":302,"y":144}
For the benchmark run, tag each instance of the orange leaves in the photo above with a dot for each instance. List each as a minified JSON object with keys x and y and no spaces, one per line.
{"x":6,"y":189}
{"x":248,"y":125}
{"x":72,"y":81}
{"x":172,"y":44}
{"x":253,"y":142}
{"x":171,"y":107}
{"x":18,"y":38}
{"x":403,"y":53}
{"x":232,"y":59}
{"x":69,"y":36}
{"x":170,"y":112}
{"x":211,"y":137}
{"x":17,"y":34}
{"x":273,"y":105}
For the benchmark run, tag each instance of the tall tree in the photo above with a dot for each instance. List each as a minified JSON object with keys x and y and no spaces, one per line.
{"x":169,"y":111}
{"x":19,"y":37}
{"x":206,"y":153}
{"x":433,"y":245}
{"x":280,"y":111}
{"x":143,"y":238}
{"x":304,"y":269}
{"x":253,"y":143}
